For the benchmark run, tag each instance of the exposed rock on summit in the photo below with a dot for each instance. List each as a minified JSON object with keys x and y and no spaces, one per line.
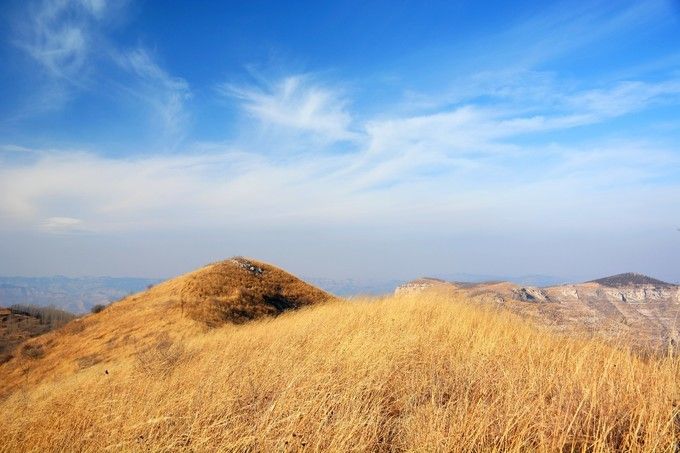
{"x":531,"y":294}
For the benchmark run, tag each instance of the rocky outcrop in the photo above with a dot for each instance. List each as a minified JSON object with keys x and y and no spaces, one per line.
{"x":632,"y":294}
{"x":419,"y":285}
{"x":530,"y":294}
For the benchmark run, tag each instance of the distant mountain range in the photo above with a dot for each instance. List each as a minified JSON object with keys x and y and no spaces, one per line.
{"x":80,"y":294}
{"x":628,"y":305}
{"x":533,"y":280}
{"x":355,"y":287}
{"x":358,"y":286}
{"x":77,"y":295}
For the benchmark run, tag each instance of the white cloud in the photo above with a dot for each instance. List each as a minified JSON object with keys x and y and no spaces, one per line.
{"x":232,"y":188}
{"x":61,"y":225}
{"x":441,"y":166}
{"x":298,"y":103}
{"x":229,"y":187}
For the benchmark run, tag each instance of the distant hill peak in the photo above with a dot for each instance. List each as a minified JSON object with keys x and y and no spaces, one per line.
{"x":241,"y":289}
{"x":629,"y":278}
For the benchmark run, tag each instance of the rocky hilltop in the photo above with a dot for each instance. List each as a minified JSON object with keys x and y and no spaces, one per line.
{"x":633,"y":306}
{"x":630,"y":279}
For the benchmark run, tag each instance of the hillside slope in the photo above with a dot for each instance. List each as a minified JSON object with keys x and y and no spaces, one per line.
{"x":231,"y":291}
{"x":420,"y":373}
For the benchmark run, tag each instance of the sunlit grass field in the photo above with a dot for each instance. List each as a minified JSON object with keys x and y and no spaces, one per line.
{"x":419,"y":373}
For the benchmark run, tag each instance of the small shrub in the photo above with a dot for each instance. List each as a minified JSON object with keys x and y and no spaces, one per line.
{"x":98,"y":308}
{"x":33,"y":351}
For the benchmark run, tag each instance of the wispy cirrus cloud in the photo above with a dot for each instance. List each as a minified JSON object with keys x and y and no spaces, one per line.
{"x":624,"y":97}
{"x":60,"y":34}
{"x":165,"y":94}
{"x":472,"y":134}
{"x":67,"y":39}
{"x":298,"y":103}
{"x":564,"y":27}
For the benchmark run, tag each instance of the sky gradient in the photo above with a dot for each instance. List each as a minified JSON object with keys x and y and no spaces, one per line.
{"x":359,"y":139}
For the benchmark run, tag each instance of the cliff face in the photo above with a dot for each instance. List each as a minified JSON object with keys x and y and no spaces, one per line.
{"x":646,"y":313}
{"x":639,"y":294}
{"x":634,"y":294}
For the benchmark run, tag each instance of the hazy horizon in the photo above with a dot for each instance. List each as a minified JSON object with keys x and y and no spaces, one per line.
{"x":381,"y":141}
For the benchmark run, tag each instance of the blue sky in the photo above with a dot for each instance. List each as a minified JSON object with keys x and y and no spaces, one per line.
{"x":353,"y":139}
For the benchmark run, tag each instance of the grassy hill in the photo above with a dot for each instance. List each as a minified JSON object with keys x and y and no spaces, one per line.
{"x":427,"y":371}
{"x":231,"y":291}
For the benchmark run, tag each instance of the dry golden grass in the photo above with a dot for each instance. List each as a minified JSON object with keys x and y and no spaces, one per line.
{"x":421,"y":373}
